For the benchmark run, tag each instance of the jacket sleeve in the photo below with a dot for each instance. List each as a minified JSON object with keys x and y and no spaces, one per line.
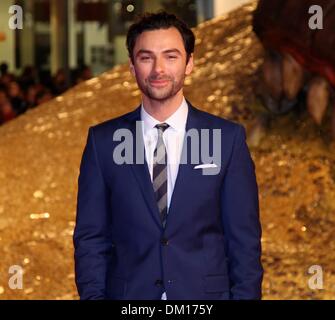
{"x":240,"y":218}
{"x":90,"y":238}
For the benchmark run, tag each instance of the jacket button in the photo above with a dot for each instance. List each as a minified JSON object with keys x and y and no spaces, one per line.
{"x":164,"y":241}
{"x":158,"y":283}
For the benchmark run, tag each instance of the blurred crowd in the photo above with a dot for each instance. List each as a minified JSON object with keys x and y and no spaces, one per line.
{"x":33,"y":87}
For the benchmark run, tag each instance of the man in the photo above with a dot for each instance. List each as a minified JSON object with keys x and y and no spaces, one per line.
{"x":168,"y":227}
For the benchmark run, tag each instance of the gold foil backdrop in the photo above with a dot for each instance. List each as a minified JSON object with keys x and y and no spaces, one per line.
{"x":40,"y":154}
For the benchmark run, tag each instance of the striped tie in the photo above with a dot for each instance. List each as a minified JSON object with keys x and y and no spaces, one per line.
{"x":159,"y":175}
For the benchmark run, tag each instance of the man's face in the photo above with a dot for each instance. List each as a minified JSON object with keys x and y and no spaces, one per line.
{"x":160,"y":63}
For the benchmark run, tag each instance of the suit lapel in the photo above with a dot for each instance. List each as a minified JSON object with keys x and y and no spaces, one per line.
{"x":185,"y":170}
{"x":140,"y":170}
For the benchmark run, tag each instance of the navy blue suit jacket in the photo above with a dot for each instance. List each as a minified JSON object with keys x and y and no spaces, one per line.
{"x":210,"y":247}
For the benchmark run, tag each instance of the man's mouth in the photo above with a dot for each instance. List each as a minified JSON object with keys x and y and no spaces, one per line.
{"x":159,"y":83}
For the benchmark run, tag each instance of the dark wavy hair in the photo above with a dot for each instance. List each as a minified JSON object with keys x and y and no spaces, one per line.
{"x":156,"y":21}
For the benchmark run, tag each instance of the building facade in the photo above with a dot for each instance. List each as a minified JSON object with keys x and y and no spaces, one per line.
{"x":68,"y":34}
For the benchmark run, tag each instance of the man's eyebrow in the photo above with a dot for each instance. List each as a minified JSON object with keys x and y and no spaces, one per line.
{"x":172,"y":51}
{"x":141,"y":51}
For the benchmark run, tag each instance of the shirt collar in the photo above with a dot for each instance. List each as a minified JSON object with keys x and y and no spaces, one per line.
{"x":176,"y":121}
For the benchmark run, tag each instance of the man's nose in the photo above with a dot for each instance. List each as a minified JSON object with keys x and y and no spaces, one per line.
{"x":159,"y":65}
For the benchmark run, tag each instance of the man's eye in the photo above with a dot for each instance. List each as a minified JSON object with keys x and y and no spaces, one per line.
{"x":144,"y":58}
{"x":172,"y":57}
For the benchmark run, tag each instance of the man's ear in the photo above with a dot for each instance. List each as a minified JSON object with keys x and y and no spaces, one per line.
{"x":131,"y":67}
{"x":189,"y":66}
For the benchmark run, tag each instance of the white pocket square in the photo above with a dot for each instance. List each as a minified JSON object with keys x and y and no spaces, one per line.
{"x":205,"y":166}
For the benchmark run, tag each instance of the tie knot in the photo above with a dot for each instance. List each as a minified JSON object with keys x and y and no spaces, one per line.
{"x":162,"y":126}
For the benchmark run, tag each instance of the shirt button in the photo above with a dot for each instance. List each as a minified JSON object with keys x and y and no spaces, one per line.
{"x":158,"y":283}
{"x":164,"y":241}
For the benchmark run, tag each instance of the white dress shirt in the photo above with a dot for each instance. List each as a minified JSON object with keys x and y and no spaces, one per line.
{"x":173,"y":138}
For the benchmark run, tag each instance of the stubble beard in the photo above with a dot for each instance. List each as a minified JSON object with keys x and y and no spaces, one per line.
{"x":164,"y":93}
